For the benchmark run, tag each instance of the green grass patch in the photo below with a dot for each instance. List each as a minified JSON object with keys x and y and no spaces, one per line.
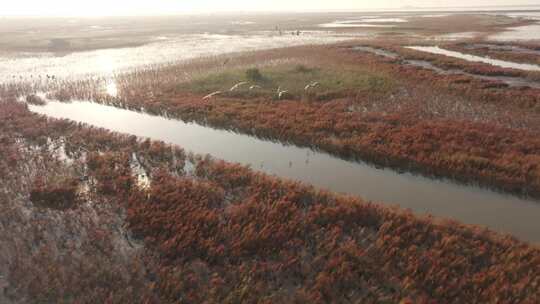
{"x":294,"y":79}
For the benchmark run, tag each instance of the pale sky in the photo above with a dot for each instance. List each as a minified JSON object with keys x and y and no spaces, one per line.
{"x":152,"y":7}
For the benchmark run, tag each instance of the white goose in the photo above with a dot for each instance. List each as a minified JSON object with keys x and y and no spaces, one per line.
{"x":238,"y":85}
{"x":209,"y":96}
{"x":281,"y":93}
{"x":311,"y":86}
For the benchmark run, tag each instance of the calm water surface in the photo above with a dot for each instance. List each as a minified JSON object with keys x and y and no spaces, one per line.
{"x":468,"y":204}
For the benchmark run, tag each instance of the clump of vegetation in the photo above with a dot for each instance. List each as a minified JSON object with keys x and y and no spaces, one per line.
{"x":376,"y":83}
{"x":254,"y":75}
{"x":35,"y":100}
{"x":58,"y":194}
{"x":302,"y":69}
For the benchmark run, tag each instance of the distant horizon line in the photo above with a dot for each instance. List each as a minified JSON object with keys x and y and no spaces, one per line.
{"x":411,"y":9}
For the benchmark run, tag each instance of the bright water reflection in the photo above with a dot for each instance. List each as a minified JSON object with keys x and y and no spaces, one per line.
{"x":364,"y":22}
{"x":351,"y":25}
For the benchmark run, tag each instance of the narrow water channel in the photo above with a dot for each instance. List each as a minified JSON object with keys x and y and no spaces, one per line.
{"x":473,"y":58}
{"x":468,"y":204}
{"x":508,"y":80}
{"x":501,"y":48}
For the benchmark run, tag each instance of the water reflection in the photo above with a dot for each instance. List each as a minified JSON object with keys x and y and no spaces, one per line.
{"x":350,"y":25}
{"x":455,"y":36}
{"x":467,"y":204}
{"x":528,"y":32}
{"x":364,"y":22}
